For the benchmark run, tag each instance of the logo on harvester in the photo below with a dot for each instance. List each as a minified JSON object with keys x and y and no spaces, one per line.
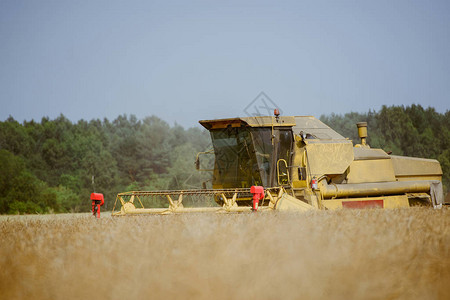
{"x":230,"y":141}
{"x":262,"y":105}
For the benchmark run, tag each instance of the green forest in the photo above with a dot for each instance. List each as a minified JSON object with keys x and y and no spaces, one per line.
{"x":53,"y":165}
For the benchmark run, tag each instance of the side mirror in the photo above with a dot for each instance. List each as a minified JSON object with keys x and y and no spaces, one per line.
{"x":197,"y":163}
{"x":197,"y":160}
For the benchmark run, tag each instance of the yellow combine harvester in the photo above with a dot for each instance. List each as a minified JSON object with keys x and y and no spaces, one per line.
{"x":296,"y":164}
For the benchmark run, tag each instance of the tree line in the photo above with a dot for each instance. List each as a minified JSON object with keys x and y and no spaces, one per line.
{"x":54,"y":165}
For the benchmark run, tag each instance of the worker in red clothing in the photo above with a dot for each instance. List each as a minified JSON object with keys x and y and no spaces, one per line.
{"x":258,"y":194}
{"x":97,"y":201}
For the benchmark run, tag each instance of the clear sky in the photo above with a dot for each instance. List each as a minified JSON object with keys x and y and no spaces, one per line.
{"x":189,"y":60}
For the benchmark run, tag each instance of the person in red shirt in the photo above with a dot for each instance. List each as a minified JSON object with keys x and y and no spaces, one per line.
{"x":97,"y":201}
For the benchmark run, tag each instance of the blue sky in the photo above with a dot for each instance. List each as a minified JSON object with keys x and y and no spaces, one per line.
{"x":189,"y":60}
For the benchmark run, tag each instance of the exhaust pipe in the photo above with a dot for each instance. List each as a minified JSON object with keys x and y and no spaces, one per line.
{"x":362,"y":132}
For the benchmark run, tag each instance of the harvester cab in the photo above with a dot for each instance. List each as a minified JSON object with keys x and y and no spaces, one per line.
{"x":251,"y":151}
{"x":301,"y":164}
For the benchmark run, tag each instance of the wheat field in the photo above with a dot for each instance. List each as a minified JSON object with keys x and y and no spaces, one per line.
{"x":346,"y":254}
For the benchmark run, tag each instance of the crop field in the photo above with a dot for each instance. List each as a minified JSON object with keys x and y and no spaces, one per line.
{"x":347,"y":254}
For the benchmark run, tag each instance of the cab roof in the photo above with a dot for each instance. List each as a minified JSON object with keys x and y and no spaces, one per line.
{"x":306,"y":124}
